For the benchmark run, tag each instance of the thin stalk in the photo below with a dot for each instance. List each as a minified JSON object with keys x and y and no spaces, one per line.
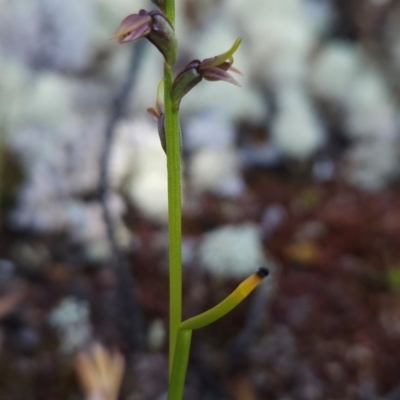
{"x":181,"y":359}
{"x":172,"y":133}
{"x":170,"y":11}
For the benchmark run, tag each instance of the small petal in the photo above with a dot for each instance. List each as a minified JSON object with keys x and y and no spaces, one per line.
{"x":217,"y":74}
{"x":218,"y":60}
{"x":160,"y":98}
{"x":140,"y":23}
{"x":136,"y":34}
{"x":153,"y":113}
{"x":224,"y":66}
{"x":236,"y":71}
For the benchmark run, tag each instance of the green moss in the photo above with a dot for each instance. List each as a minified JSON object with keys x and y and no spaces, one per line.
{"x":393,"y":278}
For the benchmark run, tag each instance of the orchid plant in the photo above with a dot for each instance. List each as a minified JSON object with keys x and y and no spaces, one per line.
{"x":157,"y":26}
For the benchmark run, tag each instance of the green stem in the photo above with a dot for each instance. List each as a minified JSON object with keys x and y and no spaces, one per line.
{"x":170,"y":11}
{"x":181,"y":358}
{"x":172,"y":131}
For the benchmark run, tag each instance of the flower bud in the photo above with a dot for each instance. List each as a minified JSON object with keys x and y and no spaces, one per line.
{"x":162,"y":35}
{"x":185,"y":81}
{"x":153,"y":25}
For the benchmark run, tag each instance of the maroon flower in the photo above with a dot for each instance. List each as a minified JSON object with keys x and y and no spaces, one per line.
{"x":152,"y":25}
{"x":134,"y":26}
{"x":216,"y":68}
{"x":211,"y":69}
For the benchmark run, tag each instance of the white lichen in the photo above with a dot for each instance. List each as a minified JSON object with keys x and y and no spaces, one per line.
{"x":71,"y":319}
{"x":144,"y":169}
{"x":280,"y":38}
{"x":156,"y":335}
{"x":371,"y":111}
{"x":38,"y":106}
{"x":296,"y":129}
{"x":13,"y":80}
{"x":216,"y":171}
{"x":334,"y":69}
{"x":372,"y":163}
{"x":233,"y":250}
{"x":209,"y":129}
{"x":61,"y":46}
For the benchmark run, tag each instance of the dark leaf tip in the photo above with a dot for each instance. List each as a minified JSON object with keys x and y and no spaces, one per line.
{"x":263,"y":272}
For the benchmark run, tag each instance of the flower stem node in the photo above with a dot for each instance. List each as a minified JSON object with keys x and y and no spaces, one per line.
{"x":211,"y":69}
{"x":154,"y":26}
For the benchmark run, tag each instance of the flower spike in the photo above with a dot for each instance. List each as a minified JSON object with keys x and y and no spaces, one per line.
{"x":152,"y":25}
{"x":211,"y":69}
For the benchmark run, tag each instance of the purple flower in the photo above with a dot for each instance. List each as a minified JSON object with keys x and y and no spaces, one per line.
{"x":216,"y":68}
{"x":211,"y":69}
{"x":134,"y":26}
{"x":152,"y":25}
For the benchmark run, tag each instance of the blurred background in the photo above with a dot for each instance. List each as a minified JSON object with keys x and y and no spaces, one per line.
{"x":297,"y":170}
